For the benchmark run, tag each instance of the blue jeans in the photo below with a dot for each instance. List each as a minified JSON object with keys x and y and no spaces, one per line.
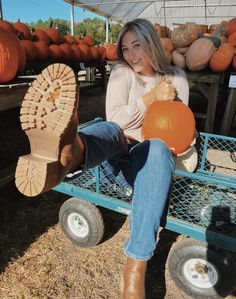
{"x":147,"y":167}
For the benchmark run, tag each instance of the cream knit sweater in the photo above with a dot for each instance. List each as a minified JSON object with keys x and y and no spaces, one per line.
{"x":124,"y":102}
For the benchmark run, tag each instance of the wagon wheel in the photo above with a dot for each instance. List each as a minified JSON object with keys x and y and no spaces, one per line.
{"x":200,"y":270}
{"x":81,"y":222}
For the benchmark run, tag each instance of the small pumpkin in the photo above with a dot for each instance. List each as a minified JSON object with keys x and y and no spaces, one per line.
{"x":202,"y":28}
{"x":23,"y":29}
{"x":185,"y":34}
{"x":88,"y":40}
{"x":40,"y":34}
{"x":178,"y":59}
{"x":167,"y":43}
{"x":42,"y":50}
{"x":55,"y":52}
{"x":222,"y":58}
{"x":102,"y":51}
{"x":234,"y":63}
{"x":230,"y":27}
{"x":199,"y":54}
{"x":70,"y":39}
{"x":79,"y":39}
{"x":21,"y":52}
{"x":111,"y":51}
{"x":171,"y":121}
{"x":54,"y":35}
{"x":232,"y":39}
{"x":67,"y":51}
{"x":95,"y":53}
{"x":182,"y":50}
{"x":85,"y":51}
{"x":30,"y":50}
{"x":76,"y":53}
{"x":8,"y":57}
{"x":7,"y":26}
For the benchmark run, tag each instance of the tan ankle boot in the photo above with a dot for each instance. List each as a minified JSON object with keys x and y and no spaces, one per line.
{"x":49,"y":119}
{"x":134,"y":279}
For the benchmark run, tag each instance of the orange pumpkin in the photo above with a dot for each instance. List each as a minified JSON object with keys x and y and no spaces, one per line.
{"x":23,"y":29}
{"x":167,"y":43}
{"x":232,"y":39}
{"x":95,"y":53}
{"x":8,"y":57}
{"x":55,"y":52}
{"x":234,"y":63}
{"x":30,"y":50}
{"x":42,"y":51}
{"x":76,"y":53}
{"x":111,"y":51}
{"x":54,"y":36}
{"x":67,"y":51}
{"x":70,"y":39}
{"x":102,"y":52}
{"x":21,"y":52}
{"x":85,"y":51}
{"x":7,"y":25}
{"x":222,"y":58}
{"x":79,"y":40}
{"x":40,"y":34}
{"x":171,"y":121}
{"x":88,"y":40}
{"x":230,"y":27}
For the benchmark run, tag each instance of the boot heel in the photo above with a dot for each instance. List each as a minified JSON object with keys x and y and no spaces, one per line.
{"x":33,"y":174}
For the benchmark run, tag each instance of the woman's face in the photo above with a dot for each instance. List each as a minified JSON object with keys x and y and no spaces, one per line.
{"x":134,"y":55}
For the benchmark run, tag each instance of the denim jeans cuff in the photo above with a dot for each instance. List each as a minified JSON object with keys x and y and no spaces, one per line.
{"x":135,"y":257}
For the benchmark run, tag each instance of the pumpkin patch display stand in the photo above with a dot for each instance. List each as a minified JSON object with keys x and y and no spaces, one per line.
{"x":46,"y":117}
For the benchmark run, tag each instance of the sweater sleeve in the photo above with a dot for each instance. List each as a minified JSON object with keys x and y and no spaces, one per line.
{"x":121,"y":107}
{"x":181,"y":84}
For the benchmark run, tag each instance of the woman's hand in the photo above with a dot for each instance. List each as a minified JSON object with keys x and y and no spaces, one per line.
{"x":165,"y":91}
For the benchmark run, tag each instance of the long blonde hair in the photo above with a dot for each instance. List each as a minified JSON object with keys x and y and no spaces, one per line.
{"x":150,"y":43}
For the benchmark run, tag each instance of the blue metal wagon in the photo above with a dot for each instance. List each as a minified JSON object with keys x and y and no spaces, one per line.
{"x":202,"y":207}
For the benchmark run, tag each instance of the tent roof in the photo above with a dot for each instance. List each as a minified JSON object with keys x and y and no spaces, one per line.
{"x":165,"y":12}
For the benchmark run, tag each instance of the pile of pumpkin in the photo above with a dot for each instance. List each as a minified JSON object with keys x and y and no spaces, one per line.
{"x":194,"y":47}
{"x":19,"y":45}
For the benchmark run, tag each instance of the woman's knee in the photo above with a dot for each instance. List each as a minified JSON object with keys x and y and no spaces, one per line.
{"x":158,"y":147}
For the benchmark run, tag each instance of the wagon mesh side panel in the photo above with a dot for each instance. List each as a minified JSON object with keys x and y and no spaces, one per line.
{"x":217,"y":155}
{"x":85,"y":180}
{"x":207,"y":205}
{"x":196,"y":199}
{"x":114,"y":186}
{"x":104,"y":183}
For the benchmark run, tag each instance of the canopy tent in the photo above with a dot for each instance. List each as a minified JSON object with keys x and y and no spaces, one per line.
{"x":164,"y":12}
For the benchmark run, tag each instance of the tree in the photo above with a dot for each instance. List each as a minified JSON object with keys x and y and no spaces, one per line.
{"x":95,"y":27}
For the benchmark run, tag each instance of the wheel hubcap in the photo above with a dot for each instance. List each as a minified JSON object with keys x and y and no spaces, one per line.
{"x":200,"y":273}
{"x":78,"y":225}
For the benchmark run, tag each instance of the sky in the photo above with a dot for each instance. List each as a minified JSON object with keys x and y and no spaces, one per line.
{"x":33,"y":10}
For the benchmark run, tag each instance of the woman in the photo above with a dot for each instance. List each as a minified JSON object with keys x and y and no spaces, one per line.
{"x":136,"y":82}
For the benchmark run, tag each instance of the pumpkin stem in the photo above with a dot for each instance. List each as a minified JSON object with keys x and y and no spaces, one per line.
{"x":220,"y":30}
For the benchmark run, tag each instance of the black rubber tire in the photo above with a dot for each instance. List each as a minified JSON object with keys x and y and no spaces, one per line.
{"x":75,"y":211}
{"x":188,"y":251}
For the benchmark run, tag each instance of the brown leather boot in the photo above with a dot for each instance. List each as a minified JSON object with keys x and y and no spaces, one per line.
{"x":134,"y":279}
{"x":49,"y":119}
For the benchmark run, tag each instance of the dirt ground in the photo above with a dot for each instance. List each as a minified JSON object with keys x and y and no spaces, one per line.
{"x":37,"y":261}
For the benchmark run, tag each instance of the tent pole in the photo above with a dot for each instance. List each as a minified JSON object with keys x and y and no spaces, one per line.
{"x":1,"y":14}
{"x":72,"y":17}
{"x":107,"y":29}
